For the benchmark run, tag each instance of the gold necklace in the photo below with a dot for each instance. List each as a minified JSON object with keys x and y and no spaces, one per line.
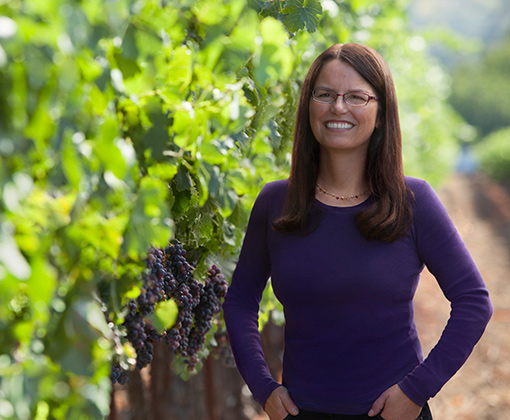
{"x":341,"y":197}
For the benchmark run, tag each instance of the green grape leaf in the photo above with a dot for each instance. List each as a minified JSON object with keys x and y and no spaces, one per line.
{"x":301,"y":13}
{"x":129,"y":47}
{"x":156,"y":137}
{"x":241,"y":139}
{"x":183,"y":179}
{"x":128,"y":67}
{"x":271,"y":8}
{"x":256,"y":5}
{"x":148,"y":222}
{"x":164,"y":315}
{"x":71,"y":162}
{"x":274,"y":134}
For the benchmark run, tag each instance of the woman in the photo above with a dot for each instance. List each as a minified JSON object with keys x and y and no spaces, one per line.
{"x":344,"y":240}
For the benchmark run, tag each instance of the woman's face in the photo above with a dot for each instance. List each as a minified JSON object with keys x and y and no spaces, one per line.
{"x":339,"y":127}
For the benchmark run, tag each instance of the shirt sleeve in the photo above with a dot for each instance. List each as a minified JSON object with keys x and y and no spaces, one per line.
{"x":241,"y":305}
{"x":444,"y":253}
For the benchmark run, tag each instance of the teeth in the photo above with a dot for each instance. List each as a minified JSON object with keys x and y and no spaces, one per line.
{"x":339,"y":125}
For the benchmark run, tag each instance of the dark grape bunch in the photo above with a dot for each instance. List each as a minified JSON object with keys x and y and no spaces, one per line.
{"x":170,"y":276}
{"x":215,"y":288}
{"x":118,"y":374}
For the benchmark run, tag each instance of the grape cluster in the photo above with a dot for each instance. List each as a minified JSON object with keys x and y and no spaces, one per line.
{"x":198,"y":303}
{"x":215,"y":288}
{"x":170,"y":276}
{"x":118,"y":374}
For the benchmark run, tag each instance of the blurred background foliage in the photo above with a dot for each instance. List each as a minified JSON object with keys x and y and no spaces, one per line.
{"x":471,"y":39}
{"x":124,"y":123}
{"x":481,"y":88}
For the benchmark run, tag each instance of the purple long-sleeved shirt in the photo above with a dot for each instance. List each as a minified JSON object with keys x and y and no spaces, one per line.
{"x":348,"y":304}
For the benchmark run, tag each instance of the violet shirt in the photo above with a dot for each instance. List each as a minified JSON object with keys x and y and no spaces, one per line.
{"x":348,"y":304}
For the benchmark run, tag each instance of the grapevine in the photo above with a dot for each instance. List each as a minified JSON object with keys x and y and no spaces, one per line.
{"x":170,"y":276}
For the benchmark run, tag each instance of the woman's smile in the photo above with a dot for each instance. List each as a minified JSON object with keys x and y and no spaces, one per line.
{"x":339,"y":125}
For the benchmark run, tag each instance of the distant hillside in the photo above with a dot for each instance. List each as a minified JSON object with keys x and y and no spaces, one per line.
{"x":487,"y":21}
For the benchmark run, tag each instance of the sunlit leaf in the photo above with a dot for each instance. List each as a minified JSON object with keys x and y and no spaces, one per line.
{"x":275,"y":60}
{"x":106,"y":148}
{"x":41,"y":286}
{"x":149,"y":222}
{"x":178,"y":70}
{"x":164,"y":315}
{"x":163,"y":171}
{"x":12,"y":259}
{"x":71,"y":162}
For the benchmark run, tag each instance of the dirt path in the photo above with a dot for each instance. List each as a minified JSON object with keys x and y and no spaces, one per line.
{"x":481,"y":389}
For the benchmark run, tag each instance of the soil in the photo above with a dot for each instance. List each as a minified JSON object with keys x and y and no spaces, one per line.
{"x":480,"y":209}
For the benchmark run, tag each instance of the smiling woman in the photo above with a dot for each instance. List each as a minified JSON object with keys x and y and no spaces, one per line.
{"x":344,"y":241}
{"x":348,"y":163}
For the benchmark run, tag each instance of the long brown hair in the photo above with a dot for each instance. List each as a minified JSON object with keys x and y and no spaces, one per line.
{"x":389,"y":216}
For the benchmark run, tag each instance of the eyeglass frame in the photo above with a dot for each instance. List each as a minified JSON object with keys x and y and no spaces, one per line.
{"x":370,"y":97}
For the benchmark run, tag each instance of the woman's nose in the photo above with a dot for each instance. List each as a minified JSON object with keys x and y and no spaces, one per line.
{"x":339,"y":104}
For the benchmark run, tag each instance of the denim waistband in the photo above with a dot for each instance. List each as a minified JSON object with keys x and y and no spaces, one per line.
{"x":312,"y":415}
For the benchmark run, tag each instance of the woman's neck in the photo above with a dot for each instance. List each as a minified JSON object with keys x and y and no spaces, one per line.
{"x":342,"y":174}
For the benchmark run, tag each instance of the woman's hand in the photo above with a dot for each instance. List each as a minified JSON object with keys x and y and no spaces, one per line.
{"x":279,"y":404}
{"x":393,"y":404}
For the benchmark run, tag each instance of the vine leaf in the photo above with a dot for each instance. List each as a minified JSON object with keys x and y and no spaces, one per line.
{"x":164,"y":316}
{"x":301,"y":13}
{"x":256,"y":5}
{"x":272,"y":9}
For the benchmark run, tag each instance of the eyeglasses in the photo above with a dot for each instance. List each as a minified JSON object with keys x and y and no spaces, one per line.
{"x":327,"y":96}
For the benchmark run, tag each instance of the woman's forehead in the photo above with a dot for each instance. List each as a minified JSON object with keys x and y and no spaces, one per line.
{"x":339,"y":74}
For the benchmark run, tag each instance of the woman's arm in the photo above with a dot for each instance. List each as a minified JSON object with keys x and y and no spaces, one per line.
{"x":447,"y":258}
{"x":241,"y":304}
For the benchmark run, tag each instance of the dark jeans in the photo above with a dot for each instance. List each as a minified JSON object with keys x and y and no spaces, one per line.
{"x":310,"y":415}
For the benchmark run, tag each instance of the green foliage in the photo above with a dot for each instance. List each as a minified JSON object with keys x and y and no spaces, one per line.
{"x":480,"y":89}
{"x":126,"y":123}
{"x":494,"y":154}
{"x":295,"y":14}
{"x":301,"y":13}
